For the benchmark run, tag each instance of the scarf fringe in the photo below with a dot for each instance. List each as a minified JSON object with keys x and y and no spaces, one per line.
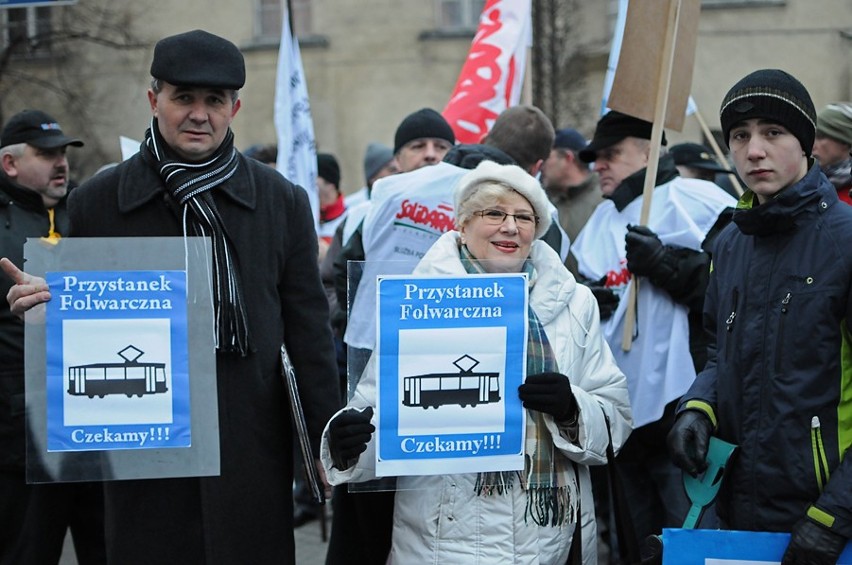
{"x":550,"y":506}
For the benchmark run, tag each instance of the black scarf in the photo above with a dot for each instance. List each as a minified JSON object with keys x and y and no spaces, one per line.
{"x":190,"y":184}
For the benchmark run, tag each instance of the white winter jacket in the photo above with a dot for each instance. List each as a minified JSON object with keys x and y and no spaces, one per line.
{"x":440,"y":519}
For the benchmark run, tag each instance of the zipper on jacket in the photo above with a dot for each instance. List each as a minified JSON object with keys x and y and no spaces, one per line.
{"x":779,"y":347}
{"x":729,"y":323}
{"x":820,"y":462}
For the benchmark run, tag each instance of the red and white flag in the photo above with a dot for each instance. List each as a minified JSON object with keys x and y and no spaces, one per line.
{"x":492,"y":76}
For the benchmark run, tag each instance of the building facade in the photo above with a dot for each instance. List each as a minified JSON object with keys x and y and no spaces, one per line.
{"x":369,"y":63}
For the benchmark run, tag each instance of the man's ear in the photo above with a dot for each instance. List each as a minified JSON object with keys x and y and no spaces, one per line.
{"x":533,"y":171}
{"x":9,"y":166}
{"x":152,"y":100}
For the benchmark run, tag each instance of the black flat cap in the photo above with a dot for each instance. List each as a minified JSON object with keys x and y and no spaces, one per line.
{"x":612,"y":128}
{"x":35,"y":128}
{"x":199,"y":58}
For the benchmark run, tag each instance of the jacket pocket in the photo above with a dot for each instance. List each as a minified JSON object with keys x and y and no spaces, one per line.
{"x":782,"y":318}
{"x":729,"y":323}
{"x":821,"y":470}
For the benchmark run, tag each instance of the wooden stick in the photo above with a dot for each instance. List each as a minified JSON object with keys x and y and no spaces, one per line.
{"x":661,"y":100}
{"x":716,"y":149}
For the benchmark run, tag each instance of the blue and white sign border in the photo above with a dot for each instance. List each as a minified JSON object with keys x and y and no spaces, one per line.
{"x":460,"y":308}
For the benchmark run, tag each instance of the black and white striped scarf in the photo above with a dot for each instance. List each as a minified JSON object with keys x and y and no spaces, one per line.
{"x":190,"y":184}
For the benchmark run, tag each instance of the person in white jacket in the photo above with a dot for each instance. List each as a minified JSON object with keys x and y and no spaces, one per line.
{"x":573,"y":392}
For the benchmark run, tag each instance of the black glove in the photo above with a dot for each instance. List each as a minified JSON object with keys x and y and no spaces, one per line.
{"x":688,"y":441}
{"x":607,"y":299}
{"x":645,"y":251}
{"x":348,"y":435}
{"x":549,"y":393}
{"x":813,"y":544}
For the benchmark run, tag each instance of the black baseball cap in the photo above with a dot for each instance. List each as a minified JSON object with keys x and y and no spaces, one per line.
{"x":569,"y":138}
{"x":35,"y":128}
{"x":696,"y":155}
{"x":611,"y":129}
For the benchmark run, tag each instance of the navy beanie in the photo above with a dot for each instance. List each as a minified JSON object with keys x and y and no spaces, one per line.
{"x":425,"y":122}
{"x":774,"y":95}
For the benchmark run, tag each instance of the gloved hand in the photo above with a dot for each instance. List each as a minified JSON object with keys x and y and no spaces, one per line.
{"x":348,"y":435}
{"x":549,"y":393}
{"x":645,"y":251}
{"x":813,"y":544}
{"x":607,"y":299}
{"x":688,"y":441}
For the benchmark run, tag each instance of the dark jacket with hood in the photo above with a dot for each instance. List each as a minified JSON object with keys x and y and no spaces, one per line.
{"x":22,"y":215}
{"x":779,"y":379}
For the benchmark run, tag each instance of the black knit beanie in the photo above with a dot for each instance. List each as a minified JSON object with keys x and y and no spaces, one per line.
{"x":425,"y":122}
{"x":774,"y":95}
{"x":328,"y":168}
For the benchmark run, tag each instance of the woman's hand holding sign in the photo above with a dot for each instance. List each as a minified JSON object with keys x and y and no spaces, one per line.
{"x":348,"y":435}
{"x":550,"y":393}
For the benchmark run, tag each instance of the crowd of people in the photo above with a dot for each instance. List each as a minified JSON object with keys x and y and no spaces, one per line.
{"x":741,"y":327}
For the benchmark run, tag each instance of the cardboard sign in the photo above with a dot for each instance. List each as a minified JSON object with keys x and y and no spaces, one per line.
{"x":637,"y":76}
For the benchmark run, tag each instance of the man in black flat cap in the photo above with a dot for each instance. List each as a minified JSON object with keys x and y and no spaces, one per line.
{"x":34,"y":519}
{"x":696,"y":161}
{"x":668,"y":256}
{"x":266,"y":289}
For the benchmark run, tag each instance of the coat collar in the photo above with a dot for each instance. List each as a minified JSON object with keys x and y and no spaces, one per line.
{"x":779,"y":214}
{"x":139,"y":184}
{"x":633,"y":186}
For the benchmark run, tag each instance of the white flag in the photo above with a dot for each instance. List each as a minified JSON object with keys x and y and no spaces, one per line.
{"x":491,"y":78}
{"x":297,"y":152}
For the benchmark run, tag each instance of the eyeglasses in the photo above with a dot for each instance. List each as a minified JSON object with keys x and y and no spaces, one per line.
{"x":497,"y":217}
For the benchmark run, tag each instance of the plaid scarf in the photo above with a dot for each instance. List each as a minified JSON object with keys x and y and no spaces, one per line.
{"x":547,"y":476}
{"x":840,"y":174}
{"x":191,"y":184}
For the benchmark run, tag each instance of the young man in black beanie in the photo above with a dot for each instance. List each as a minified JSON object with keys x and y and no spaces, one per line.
{"x":778,"y":379}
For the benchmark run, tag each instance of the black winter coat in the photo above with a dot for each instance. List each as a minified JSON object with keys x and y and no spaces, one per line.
{"x":244,"y":515}
{"x":22,"y":215}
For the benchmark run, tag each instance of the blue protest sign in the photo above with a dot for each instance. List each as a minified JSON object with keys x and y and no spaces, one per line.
{"x":117,"y":371}
{"x":727,"y":547}
{"x":451,"y":355}
{"x":37,"y":3}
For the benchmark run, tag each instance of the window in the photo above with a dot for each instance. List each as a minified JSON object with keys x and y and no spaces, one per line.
{"x":26,"y":30}
{"x":269,"y":15}
{"x":456,"y":15}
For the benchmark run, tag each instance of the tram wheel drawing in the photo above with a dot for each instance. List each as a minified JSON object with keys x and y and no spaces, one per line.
{"x":465,"y":388}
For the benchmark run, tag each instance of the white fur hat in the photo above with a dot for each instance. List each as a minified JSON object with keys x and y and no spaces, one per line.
{"x":513,"y":176}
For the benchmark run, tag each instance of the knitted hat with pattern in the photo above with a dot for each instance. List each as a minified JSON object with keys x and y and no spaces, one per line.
{"x":771,"y":94}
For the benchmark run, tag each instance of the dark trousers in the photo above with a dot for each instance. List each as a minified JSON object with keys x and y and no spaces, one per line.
{"x":361,"y":527}
{"x":49,"y":511}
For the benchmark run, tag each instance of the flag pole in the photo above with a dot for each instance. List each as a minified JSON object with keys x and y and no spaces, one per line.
{"x":717,"y":150}
{"x":662,"y":96}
